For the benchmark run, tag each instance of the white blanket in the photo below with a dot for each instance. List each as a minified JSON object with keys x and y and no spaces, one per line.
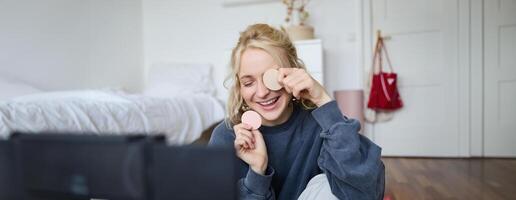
{"x":182,"y":118}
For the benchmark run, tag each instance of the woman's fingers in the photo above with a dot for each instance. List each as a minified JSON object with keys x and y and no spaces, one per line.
{"x":284,"y":72}
{"x":260,"y":146}
{"x":301,"y":86}
{"x":245,"y":129}
{"x":239,"y":143}
{"x":242,"y":126}
{"x":257,"y":134}
{"x":297,"y":81}
{"x":284,"y":75}
{"x":247,"y":134}
{"x":295,"y":85}
{"x":243,"y":143}
{"x":248,"y":139}
{"x":243,"y":136}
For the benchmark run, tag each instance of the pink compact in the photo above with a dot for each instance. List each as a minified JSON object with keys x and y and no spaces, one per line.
{"x":252,"y":119}
{"x":270,"y":79}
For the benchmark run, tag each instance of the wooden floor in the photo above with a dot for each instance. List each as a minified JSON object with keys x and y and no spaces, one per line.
{"x":425,"y":178}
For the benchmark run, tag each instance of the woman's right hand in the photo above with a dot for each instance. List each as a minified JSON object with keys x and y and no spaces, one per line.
{"x":250,"y":147}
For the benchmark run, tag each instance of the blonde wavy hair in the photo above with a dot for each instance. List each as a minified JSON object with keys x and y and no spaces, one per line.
{"x":271,"y":40}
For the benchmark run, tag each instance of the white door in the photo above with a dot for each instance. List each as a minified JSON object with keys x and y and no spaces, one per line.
{"x":500,"y":78}
{"x":423,"y":47}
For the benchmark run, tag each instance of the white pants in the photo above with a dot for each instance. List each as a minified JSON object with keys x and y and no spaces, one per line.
{"x":317,"y":188}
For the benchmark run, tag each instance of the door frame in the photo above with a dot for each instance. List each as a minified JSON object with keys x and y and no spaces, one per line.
{"x":477,"y":78}
{"x":470,"y":63}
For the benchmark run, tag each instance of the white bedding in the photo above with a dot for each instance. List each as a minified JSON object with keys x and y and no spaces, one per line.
{"x":181,"y":118}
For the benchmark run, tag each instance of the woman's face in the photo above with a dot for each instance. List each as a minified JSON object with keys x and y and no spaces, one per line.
{"x":273,"y":106}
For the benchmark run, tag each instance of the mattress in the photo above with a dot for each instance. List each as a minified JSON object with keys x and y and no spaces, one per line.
{"x":180,"y":118}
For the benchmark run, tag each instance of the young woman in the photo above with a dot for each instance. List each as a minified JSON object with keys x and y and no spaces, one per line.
{"x":303,"y":133}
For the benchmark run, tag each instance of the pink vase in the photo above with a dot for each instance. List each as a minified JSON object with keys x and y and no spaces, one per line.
{"x":351,"y":103}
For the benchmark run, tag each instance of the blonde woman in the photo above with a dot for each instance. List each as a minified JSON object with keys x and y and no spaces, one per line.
{"x":303,"y":138}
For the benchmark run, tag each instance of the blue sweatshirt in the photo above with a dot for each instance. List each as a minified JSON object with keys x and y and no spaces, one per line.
{"x":311,"y":142}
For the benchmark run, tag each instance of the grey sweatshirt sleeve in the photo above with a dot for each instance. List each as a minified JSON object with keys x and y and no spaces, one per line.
{"x":351,"y":161}
{"x":253,"y":186}
{"x":257,"y":186}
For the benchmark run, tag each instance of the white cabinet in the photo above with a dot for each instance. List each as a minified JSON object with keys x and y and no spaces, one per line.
{"x":311,"y":53}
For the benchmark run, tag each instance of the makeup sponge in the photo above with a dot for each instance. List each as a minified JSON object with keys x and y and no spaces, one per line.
{"x":252,"y":118}
{"x":270,"y":79}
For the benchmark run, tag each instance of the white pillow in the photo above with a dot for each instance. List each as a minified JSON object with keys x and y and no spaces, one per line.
{"x":171,"y":79}
{"x":10,"y":89}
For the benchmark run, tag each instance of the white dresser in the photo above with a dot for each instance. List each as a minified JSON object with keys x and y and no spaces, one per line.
{"x":311,"y":53}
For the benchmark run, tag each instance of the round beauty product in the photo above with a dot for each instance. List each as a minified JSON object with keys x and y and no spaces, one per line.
{"x":252,"y":118}
{"x":270,"y":79}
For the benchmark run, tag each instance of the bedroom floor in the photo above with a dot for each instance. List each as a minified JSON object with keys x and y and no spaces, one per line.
{"x":447,"y":178}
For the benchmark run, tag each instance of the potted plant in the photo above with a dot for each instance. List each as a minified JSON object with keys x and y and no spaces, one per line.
{"x":298,"y":30}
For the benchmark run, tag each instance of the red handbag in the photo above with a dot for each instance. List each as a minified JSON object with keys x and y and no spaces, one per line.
{"x":384,"y":93}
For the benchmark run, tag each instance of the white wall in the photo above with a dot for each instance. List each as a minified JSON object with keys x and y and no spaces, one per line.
{"x":204,"y":31}
{"x":72,"y":44}
{"x":77,"y":44}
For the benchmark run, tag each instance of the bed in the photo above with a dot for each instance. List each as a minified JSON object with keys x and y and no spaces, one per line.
{"x":178,"y":101}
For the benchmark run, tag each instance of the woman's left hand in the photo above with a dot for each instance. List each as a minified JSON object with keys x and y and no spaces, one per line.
{"x":298,"y":82}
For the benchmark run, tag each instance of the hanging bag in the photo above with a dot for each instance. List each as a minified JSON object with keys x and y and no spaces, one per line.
{"x":384,"y":93}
